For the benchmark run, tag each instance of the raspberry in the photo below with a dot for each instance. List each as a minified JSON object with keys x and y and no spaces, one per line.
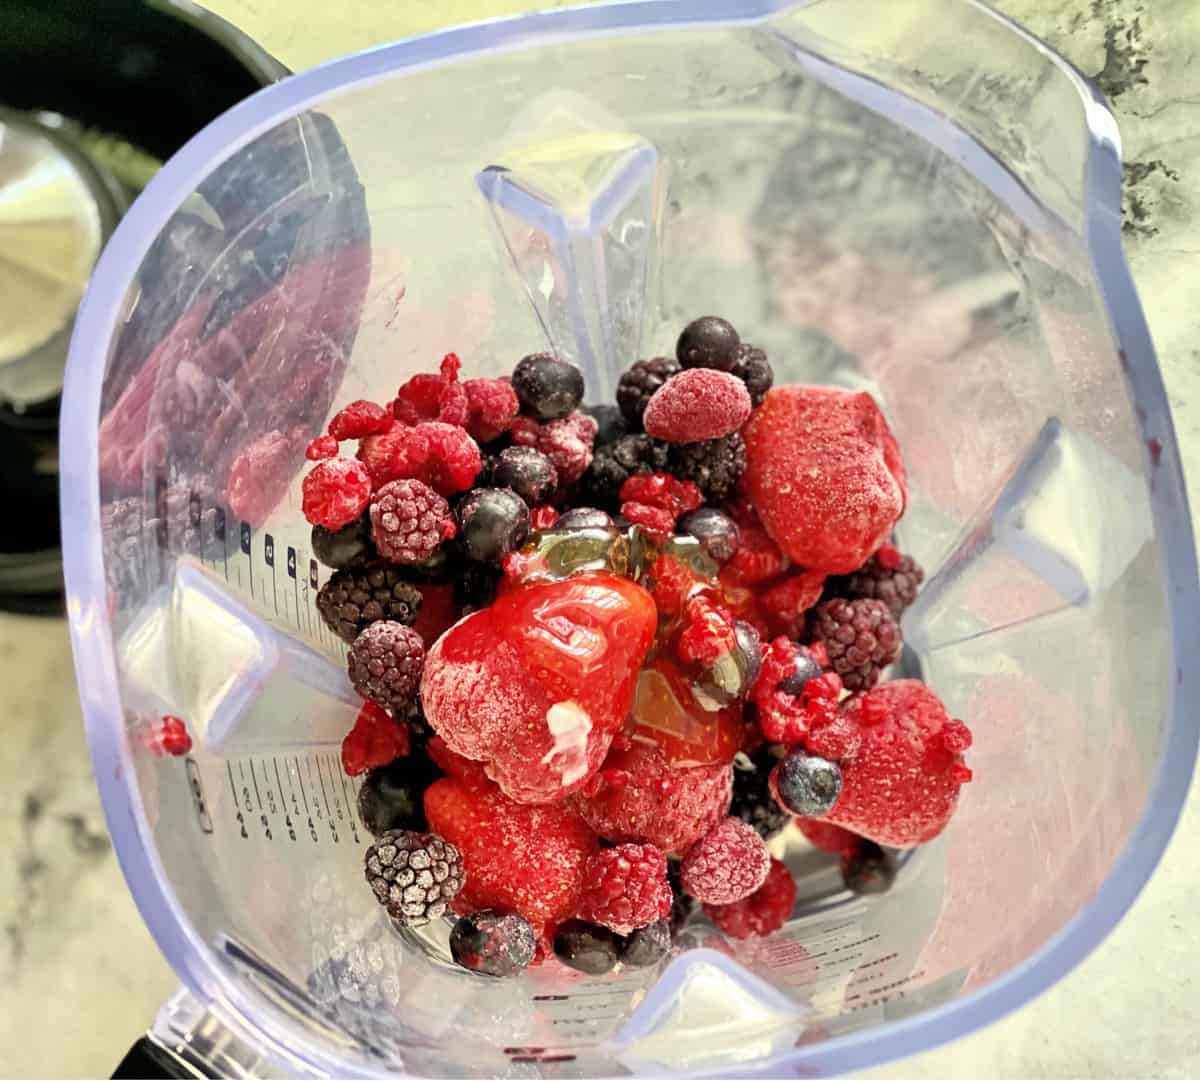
{"x":728,"y":864}
{"x":887,"y":576}
{"x":708,"y":342}
{"x":696,"y":405}
{"x":385,"y":664}
{"x":398,"y":452}
{"x":853,"y":490}
{"x":492,"y":406}
{"x":757,"y":559}
{"x":637,"y":385}
{"x":542,"y":517}
{"x":537,"y":684}
{"x":336,"y":492}
{"x":440,"y":455}
{"x":433,"y":397}
{"x":752,"y":799}
{"x":709,"y":634}
{"x":324,"y":446}
{"x":716,"y":465}
{"x":670,"y":583}
{"x":413,"y":875}
{"x":626,"y":887}
{"x":901,"y":776}
{"x":753,"y":369}
{"x":655,"y":520}
{"x":662,"y":490}
{"x":861,"y":637}
{"x":566,"y":442}
{"x":518,"y":858}
{"x":356,"y":597}
{"x":360,"y":419}
{"x":409,"y":520}
{"x":823,"y":834}
{"x":259,"y":478}
{"x":615,"y":463}
{"x":655,"y":804}
{"x":173,"y":736}
{"x":786,"y":604}
{"x":375,"y":740}
{"x":765,"y":911}
{"x":783,"y":716}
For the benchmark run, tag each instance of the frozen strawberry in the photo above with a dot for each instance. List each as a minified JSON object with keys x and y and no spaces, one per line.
{"x":900,"y":782}
{"x":537,"y":684}
{"x":822,"y":834}
{"x":454,"y":765}
{"x":766,"y":910}
{"x":522,"y":859}
{"x":639,"y":798}
{"x":696,"y":405}
{"x":823,"y":473}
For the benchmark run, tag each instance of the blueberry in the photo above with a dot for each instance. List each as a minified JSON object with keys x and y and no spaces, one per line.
{"x":527,"y":472}
{"x":806,"y":669}
{"x":806,"y":785}
{"x":492,"y":944}
{"x":391,"y":796}
{"x":708,"y":342}
{"x":611,"y":421}
{"x":682,"y":904}
{"x":750,"y":647}
{"x":547,"y":387}
{"x":338,"y":548}
{"x":717,"y":532}
{"x":493,"y":522}
{"x":647,"y":945}
{"x":587,"y":947}
{"x":584,"y":518}
{"x":868,"y":869}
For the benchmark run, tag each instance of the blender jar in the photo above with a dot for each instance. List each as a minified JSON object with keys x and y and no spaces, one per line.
{"x":903,"y":196}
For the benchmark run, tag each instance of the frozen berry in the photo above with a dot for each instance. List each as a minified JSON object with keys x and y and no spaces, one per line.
{"x":587,"y":947}
{"x":324,"y":446}
{"x":173,"y":736}
{"x":566,"y":442}
{"x":757,"y":559}
{"x":753,"y":369}
{"x":409,"y":520}
{"x":549,"y":388}
{"x":428,"y":397}
{"x":259,"y":478}
{"x":475,"y":584}
{"x":697,"y":405}
{"x":822,"y":834}
{"x":786,"y":604}
{"x":765,"y":911}
{"x":661,"y":490}
{"x":518,"y":858}
{"x":728,"y":864}
{"x":644,"y":800}
{"x":637,"y":386}
{"x":750,"y":646}
{"x":861,"y":638}
{"x":753,"y":802}
{"x":413,"y":875}
{"x":615,"y":463}
{"x":647,"y":945}
{"x":527,"y":472}
{"x":338,"y":548}
{"x":391,"y":797}
{"x":868,"y":869}
{"x":887,"y":576}
{"x":336,"y":492}
{"x":610,"y":423}
{"x":708,"y":342}
{"x":716,"y":532}
{"x":360,"y":419}
{"x":853,"y":490}
{"x":716,"y":465}
{"x":494,"y":522}
{"x":542,"y":517}
{"x":625,"y":887}
{"x":375,"y":740}
{"x":356,"y":597}
{"x":385,"y":663}
{"x":584,"y":518}
{"x":492,"y":406}
{"x":492,"y":943}
{"x":806,"y":668}
{"x":806,"y":785}
{"x":440,"y":455}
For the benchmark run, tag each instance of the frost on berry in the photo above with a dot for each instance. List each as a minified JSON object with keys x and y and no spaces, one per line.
{"x":336,"y":492}
{"x":696,"y":405}
{"x":626,"y":887}
{"x":766,"y":910}
{"x":375,"y":740}
{"x":492,"y":406}
{"x":259,"y":478}
{"x":360,"y":419}
{"x":728,"y":864}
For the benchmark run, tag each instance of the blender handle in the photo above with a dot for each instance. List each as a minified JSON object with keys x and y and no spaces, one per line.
{"x":148,"y":1058}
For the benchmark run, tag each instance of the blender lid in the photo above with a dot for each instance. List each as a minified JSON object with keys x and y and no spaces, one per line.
{"x":56,"y":212}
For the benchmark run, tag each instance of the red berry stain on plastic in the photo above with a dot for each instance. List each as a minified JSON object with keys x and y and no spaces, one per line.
{"x":375,"y":740}
{"x":1155,"y":447}
{"x":259,"y":477}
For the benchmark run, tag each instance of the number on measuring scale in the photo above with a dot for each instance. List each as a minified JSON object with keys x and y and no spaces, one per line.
{"x":269,"y":550}
{"x":291,"y":562}
{"x":245,"y":538}
{"x":312,"y":573}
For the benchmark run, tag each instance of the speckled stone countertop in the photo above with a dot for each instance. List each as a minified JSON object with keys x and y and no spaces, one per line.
{"x":82,"y":977}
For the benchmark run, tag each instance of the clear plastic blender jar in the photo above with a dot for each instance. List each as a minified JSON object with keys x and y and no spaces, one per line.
{"x":909,"y":197}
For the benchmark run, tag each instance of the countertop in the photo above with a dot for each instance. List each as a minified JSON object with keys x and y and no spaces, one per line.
{"x":83,"y":977}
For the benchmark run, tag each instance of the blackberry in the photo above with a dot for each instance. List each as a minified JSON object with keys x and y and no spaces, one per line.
{"x":493,"y":944}
{"x":647,"y":945}
{"x":548,"y":388}
{"x":475,"y":584}
{"x":716,"y":532}
{"x":753,"y":802}
{"x":587,"y":947}
{"x":754,"y":369}
{"x":610,"y":421}
{"x":584,"y":518}
{"x":356,"y":597}
{"x":613,"y":465}
{"x":806,"y":785}
{"x":409,"y":520}
{"x":385,"y":664}
{"x":391,"y":796}
{"x":861,"y":638}
{"x":715,"y":465}
{"x":345,"y":547}
{"x":895,"y":585}
{"x":413,"y":875}
{"x":493,"y":522}
{"x":708,"y":342}
{"x":527,"y":472}
{"x":868,"y":869}
{"x":638,"y":384}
